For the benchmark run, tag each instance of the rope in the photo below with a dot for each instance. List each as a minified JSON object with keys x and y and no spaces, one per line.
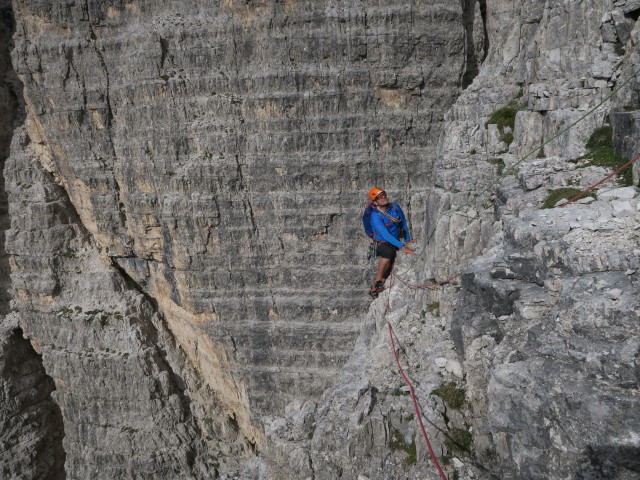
{"x":408,"y":382}
{"x":415,"y":403}
{"x":599,"y":183}
{"x":512,"y":167}
{"x":454,"y":210}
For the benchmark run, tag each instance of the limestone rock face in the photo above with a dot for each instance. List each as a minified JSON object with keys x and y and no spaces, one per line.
{"x":218,"y":153}
{"x":188,"y":281}
{"x":182,"y":201}
{"x":525,"y":366}
{"x":131,"y":403}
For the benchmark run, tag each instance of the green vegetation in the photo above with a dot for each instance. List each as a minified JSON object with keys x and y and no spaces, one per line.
{"x":556,"y":195}
{"x":452,"y":396}
{"x":503,"y":117}
{"x":459,"y":441}
{"x":601,"y":153}
{"x":69,"y":253}
{"x":498,"y":162}
{"x":433,"y":308}
{"x":412,"y":455}
{"x":397,"y":443}
{"x":507,"y":138}
{"x":64,"y":312}
{"x":506,"y":117}
{"x":399,"y":393}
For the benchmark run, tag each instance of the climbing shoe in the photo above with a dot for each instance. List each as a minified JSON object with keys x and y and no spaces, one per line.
{"x":376,"y":289}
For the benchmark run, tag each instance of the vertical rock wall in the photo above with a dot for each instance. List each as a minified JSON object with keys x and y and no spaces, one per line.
{"x":218,"y":152}
{"x":183,"y":250}
{"x":11,"y":111}
{"x":131,"y":403}
{"x":185,"y":261}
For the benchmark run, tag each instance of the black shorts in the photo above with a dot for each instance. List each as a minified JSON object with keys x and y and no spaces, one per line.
{"x":386,"y":250}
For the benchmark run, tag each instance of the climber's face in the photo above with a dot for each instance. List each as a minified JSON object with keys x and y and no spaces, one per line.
{"x":382,"y":200}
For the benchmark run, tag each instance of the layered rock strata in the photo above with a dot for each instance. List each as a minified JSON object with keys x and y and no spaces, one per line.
{"x":130,"y":401}
{"x":526,"y":368}
{"x":30,"y":420}
{"x":183,"y":255}
{"x":212,"y":155}
{"x":220,"y":165}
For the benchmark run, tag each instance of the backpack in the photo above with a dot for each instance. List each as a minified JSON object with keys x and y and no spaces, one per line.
{"x":366,"y":219}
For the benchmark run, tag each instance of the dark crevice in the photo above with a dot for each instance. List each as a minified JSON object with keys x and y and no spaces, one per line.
{"x":12,"y":114}
{"x":633,"y":14}
{"x":32,"y":423}
{"x":475,"y":49}
{"x":164,"y":47}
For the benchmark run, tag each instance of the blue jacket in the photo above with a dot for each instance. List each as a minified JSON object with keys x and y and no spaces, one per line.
{"x":384,"y":230}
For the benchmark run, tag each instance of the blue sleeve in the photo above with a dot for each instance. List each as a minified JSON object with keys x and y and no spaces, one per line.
{"x":381,"y":231}
{"x":407,"y":235}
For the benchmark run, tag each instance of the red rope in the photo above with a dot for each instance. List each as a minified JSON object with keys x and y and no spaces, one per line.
{"x":393,"y":344}
{"x":600,"y":182}
{"x":406,"y":379}
{"x":415,"y":404}
{"x":391,"y":275}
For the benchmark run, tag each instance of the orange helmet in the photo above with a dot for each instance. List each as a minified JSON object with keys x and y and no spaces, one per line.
{"x":374,"y":192}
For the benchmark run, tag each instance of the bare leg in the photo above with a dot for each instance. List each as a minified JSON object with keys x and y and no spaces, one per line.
{"x":387,"y":272}
{"x":383,"y":265}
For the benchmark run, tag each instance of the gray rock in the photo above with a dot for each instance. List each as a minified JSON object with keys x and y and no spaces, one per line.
{"x":625,"y":193}
{"x":184,"y":256}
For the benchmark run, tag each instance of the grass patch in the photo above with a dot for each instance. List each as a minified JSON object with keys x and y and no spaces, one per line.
{"x":506,"y":117}
{"x":503,"y":117}
{"x":459,"y":441}
{"x":601,"y":153}
{"x":434,"y":308}
{"x":507,"y":138}
{"x":453,"y":396}
{"x":397,"y":443}
{"x":498,"y":162}
{"x":556,"y":195}
{"x":400,"y":393}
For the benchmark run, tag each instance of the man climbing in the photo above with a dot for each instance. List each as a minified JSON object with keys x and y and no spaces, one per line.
{"x":390,"y":232}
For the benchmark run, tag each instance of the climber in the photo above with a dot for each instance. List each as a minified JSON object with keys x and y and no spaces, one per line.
{"x":388,"y":228}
